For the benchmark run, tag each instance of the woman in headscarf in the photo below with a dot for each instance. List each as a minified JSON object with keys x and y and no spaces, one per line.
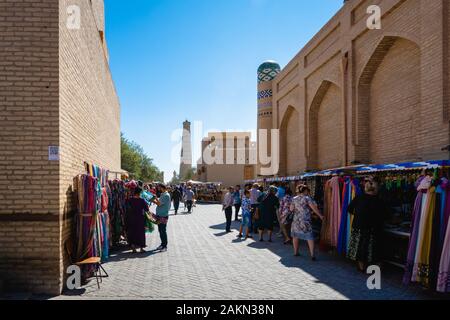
{"x":303,"y":206}
{"x":267,"y":212}
{"x":135,"y":220}
{"x":369,"y":213}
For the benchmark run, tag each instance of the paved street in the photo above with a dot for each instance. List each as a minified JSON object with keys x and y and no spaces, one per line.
{"x":203,"y":262}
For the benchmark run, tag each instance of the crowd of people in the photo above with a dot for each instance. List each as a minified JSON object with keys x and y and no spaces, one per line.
{"x":138,"y":210}
{"x":138,"y":213}
{"x":263,"y":208}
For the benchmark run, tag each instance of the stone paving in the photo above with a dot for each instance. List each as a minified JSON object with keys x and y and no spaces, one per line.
{"x":203,"y":262}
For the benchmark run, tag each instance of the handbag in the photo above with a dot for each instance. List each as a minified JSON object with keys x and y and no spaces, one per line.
{"x":289,"y":218}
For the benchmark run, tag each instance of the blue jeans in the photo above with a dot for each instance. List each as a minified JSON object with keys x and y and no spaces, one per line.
{"x":162,"y":228}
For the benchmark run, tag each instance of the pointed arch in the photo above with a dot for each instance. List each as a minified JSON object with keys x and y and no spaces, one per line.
{"x":290,"y":142}
{"x":387,"y":98}
{"x":325,"y":127}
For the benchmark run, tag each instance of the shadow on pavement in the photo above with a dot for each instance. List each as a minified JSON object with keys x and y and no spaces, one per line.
{"x":335,"y":271}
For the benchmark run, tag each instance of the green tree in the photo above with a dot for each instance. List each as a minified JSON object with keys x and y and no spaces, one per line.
{"x":189,"y":175}
{"x":136,"y":162}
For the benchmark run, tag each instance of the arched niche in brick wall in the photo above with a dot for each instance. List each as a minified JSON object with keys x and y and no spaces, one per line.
{"x":387,"y":111}
{"x":325,"y":125}
{"x":290,"y":142}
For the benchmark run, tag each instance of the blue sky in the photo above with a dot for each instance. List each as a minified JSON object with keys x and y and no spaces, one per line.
{"x":174,"y":60}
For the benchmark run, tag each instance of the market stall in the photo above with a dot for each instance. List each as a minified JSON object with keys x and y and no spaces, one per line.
{"x":415,"y":234}
{"x":209,"y":192}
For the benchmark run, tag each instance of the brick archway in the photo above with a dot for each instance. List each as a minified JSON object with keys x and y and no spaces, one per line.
{"x":325,"y":127}
{"x":289,"y":144}
{"x":387,"y":97}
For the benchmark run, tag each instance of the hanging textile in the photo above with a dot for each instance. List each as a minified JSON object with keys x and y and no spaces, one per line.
{"x":350,"y":191}
{"x":421,"y":271}
{"x":414,"y":236}
{"x":443,"y":282}
{"x":428,"y":256}
{"x":343,"y":227}
{"x":332,"y":211}
{"x":92,"y":220}
{"x":117,"y":210}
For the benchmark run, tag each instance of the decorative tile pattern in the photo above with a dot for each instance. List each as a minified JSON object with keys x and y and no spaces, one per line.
{"x":268,"y":71}
{"x":265,"y":94}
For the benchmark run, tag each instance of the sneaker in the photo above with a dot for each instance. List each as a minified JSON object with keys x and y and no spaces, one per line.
{"x":164,"y":249}
{"x":239,"y":236}
{"x":160,"y":248}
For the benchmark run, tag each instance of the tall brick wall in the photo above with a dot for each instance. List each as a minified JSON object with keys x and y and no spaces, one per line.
{"x":394,"y":105}
{"x":89,"y":111}
{"x":292,"y":158}
{"x":329,"y":126}
{"x":55,"y":90}
{"x":29,"y":183}
{"x":391,"y":100}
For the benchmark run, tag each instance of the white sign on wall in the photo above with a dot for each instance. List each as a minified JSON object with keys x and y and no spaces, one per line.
{"x":53,"y":153}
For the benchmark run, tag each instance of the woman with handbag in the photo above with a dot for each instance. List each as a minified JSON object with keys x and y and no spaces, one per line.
{"x":286,"y":215}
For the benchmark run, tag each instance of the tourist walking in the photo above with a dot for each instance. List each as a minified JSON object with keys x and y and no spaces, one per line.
{"x":137,"y":208}
{"x":286,"y":215}
{"x":304,"y":206}
{"x":267,"y":212}
{"x":162,"y":215}
{"x":176,"y":197}
{"x":246,"y":215}
{"x":189,"y":198}
{"x":369,"y":213}
{"x":237,"y":200}
{"x":228,"y":208}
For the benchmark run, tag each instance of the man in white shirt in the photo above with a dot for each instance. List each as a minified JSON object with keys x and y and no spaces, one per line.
{"x":189,"y":198}
{"x":228,"y":207}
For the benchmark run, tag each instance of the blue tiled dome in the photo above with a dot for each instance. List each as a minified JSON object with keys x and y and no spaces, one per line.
{"x":268,"y":71}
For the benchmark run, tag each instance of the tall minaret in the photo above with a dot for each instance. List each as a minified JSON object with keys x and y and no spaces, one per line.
{"x":266,"y":73}
{"x":186,"y":150}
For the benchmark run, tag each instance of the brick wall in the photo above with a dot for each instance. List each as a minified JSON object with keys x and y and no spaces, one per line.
{"x":329,"y":126}
{"x":391,"y":98}
{"x":29,"y":184}
{"x":394,"y":104}
{"x":89,"y":111}
{"x":55,"y":90}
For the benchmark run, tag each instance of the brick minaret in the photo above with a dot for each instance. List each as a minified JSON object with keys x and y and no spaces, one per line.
{"x":186,"y":150}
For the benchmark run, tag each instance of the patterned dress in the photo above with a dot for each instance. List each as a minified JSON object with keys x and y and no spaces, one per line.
{"x":285,"y":209}
{"x":302,"y":224}
{"x":246,"y":212}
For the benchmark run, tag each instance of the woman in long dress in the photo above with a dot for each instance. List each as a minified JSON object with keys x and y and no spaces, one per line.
{"x":369,"y":214}
{"x":303,"y":206}
{"x":267,"y":212}
{"x":135,"y":219}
